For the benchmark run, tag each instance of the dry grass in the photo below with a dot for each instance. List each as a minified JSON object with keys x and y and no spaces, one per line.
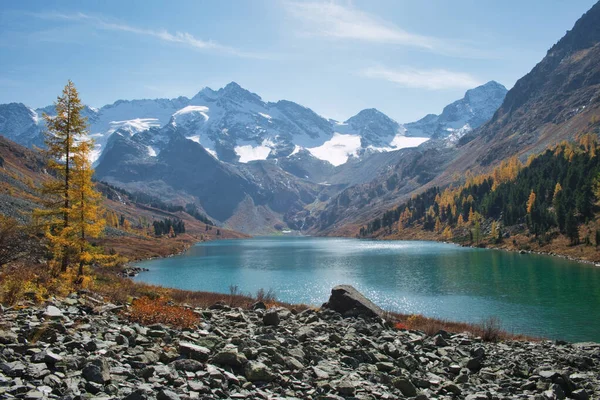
{"x":489,"y":330}
{"x":37,"y":282}
{"x":157,"y":311}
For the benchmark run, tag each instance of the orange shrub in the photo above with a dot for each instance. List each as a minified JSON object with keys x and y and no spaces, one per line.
{"x":147,"y":312}
{"x":400,"y":325}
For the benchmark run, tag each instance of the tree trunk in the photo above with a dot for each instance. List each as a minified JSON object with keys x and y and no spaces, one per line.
{"x":65,"y":259}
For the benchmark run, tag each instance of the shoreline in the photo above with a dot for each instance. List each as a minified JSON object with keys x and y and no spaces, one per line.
{"x":430,"y":238}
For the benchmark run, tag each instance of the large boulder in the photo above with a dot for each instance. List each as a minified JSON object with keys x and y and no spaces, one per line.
{"x":349,"y":302}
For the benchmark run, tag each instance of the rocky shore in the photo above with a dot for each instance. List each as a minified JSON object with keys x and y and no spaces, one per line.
{"x":82,"y":348}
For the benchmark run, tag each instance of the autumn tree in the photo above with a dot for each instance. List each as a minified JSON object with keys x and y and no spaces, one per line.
{"x":477,"y":227}
{"x":85,"y":209}
{"x":71,"y":204}
{"x":494,"y":230}
{"x":531,"y":202}
{"x":63,"y":130}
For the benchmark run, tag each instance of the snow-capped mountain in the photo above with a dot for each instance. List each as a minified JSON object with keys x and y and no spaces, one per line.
{"x":236,"y":125}
{"x":473,"y":110}
{"x":19,"y":123}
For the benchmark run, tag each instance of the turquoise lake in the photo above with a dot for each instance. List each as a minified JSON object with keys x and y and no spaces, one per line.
{"x":531,"y":294}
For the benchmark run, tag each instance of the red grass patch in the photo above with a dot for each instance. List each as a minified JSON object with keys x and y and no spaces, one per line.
{"x":400,"y":325}
{"x":147,"y":312}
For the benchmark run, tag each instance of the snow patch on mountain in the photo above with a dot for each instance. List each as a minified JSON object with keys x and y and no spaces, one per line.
{"x":202,"y":110}
{"x":338,"y":149}
{"x":401,"y":142}
{"x":152,"y":151}
{"x":212,"y":153}
{"x":295,"y":151}
{"x":249,"y":153}
{"x":132,"y":126}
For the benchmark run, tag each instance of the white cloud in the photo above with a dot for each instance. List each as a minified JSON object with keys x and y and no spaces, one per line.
{"x":183,"y":38}
{"x":431,"y":79}
{"x":335,"y":21}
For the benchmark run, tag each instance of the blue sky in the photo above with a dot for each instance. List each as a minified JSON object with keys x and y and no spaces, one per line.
{"x":405,"y":58}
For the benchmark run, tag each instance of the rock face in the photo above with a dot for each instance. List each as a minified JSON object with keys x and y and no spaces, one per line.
{"x":348,"y":301}
{"x":313,"y":354}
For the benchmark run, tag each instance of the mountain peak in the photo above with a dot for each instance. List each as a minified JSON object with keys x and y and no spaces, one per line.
{"x":491,"y":85}
{"x":585,"y":34}
{"x":233,"y":90}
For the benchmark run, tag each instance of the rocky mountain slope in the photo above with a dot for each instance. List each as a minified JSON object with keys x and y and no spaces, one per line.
{"x":558,"y":100}
{"x":85,"y":347}
{"x":473,"y":110}
{"x":23,"y":170}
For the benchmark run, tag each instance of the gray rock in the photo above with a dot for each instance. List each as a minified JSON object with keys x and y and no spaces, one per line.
{"x":580,"y":394}
{"x":187,"y":365}
{"x":320,"y":374}
{"x":53,"y":312}
{"x":405,"y":386}
{"x":167,"y":395}
{"x":440,"y":341}
{"x":194,"y":351}
{"x":258,"y":372}
{"x":137,"y":395}
{"x":346,"y":388}
{"x":96,"y":370}
{"x":474,"y":364}
{"x":271,"y":318}
{"x":230,"y":357}
{"x":346,"y":300}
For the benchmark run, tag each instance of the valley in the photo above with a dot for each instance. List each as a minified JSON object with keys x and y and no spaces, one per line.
{"x":381,"y":219}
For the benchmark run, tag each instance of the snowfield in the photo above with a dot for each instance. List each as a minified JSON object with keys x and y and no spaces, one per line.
{"x":402,"y":142}
{"x":337,"y":149}
{"x":249,"y":153}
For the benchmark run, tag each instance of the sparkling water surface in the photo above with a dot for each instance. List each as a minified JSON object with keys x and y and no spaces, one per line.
{"x":531,"y":294}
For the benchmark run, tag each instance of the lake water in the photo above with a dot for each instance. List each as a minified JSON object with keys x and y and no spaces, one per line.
{"x":531,"y":294}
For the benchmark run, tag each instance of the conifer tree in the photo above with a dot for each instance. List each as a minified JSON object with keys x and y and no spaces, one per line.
{"x":494,"y":230}
{"x":531,"y":202}
{"x":63,"y":130}
{"x":85,"y":210}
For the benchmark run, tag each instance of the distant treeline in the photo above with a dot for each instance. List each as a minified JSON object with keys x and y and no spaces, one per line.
{"x":556,"y":190}
{"x":168,"y":226}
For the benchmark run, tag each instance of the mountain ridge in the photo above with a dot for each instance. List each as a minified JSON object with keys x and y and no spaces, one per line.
{"x":279,"y":161}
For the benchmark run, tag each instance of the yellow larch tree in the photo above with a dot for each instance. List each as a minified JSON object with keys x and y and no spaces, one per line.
{"x":85,"y":210}
{"x":447,"y":233}
{"x":63,"y":130}
{"x":530,"y":201}
{"x":494,"y":230}
{"x":438,"y":225}
{"x":471,"y":216}
{"x":557,"y":190}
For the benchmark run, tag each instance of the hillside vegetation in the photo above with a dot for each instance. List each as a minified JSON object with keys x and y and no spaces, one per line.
{"x":548,"y":204}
